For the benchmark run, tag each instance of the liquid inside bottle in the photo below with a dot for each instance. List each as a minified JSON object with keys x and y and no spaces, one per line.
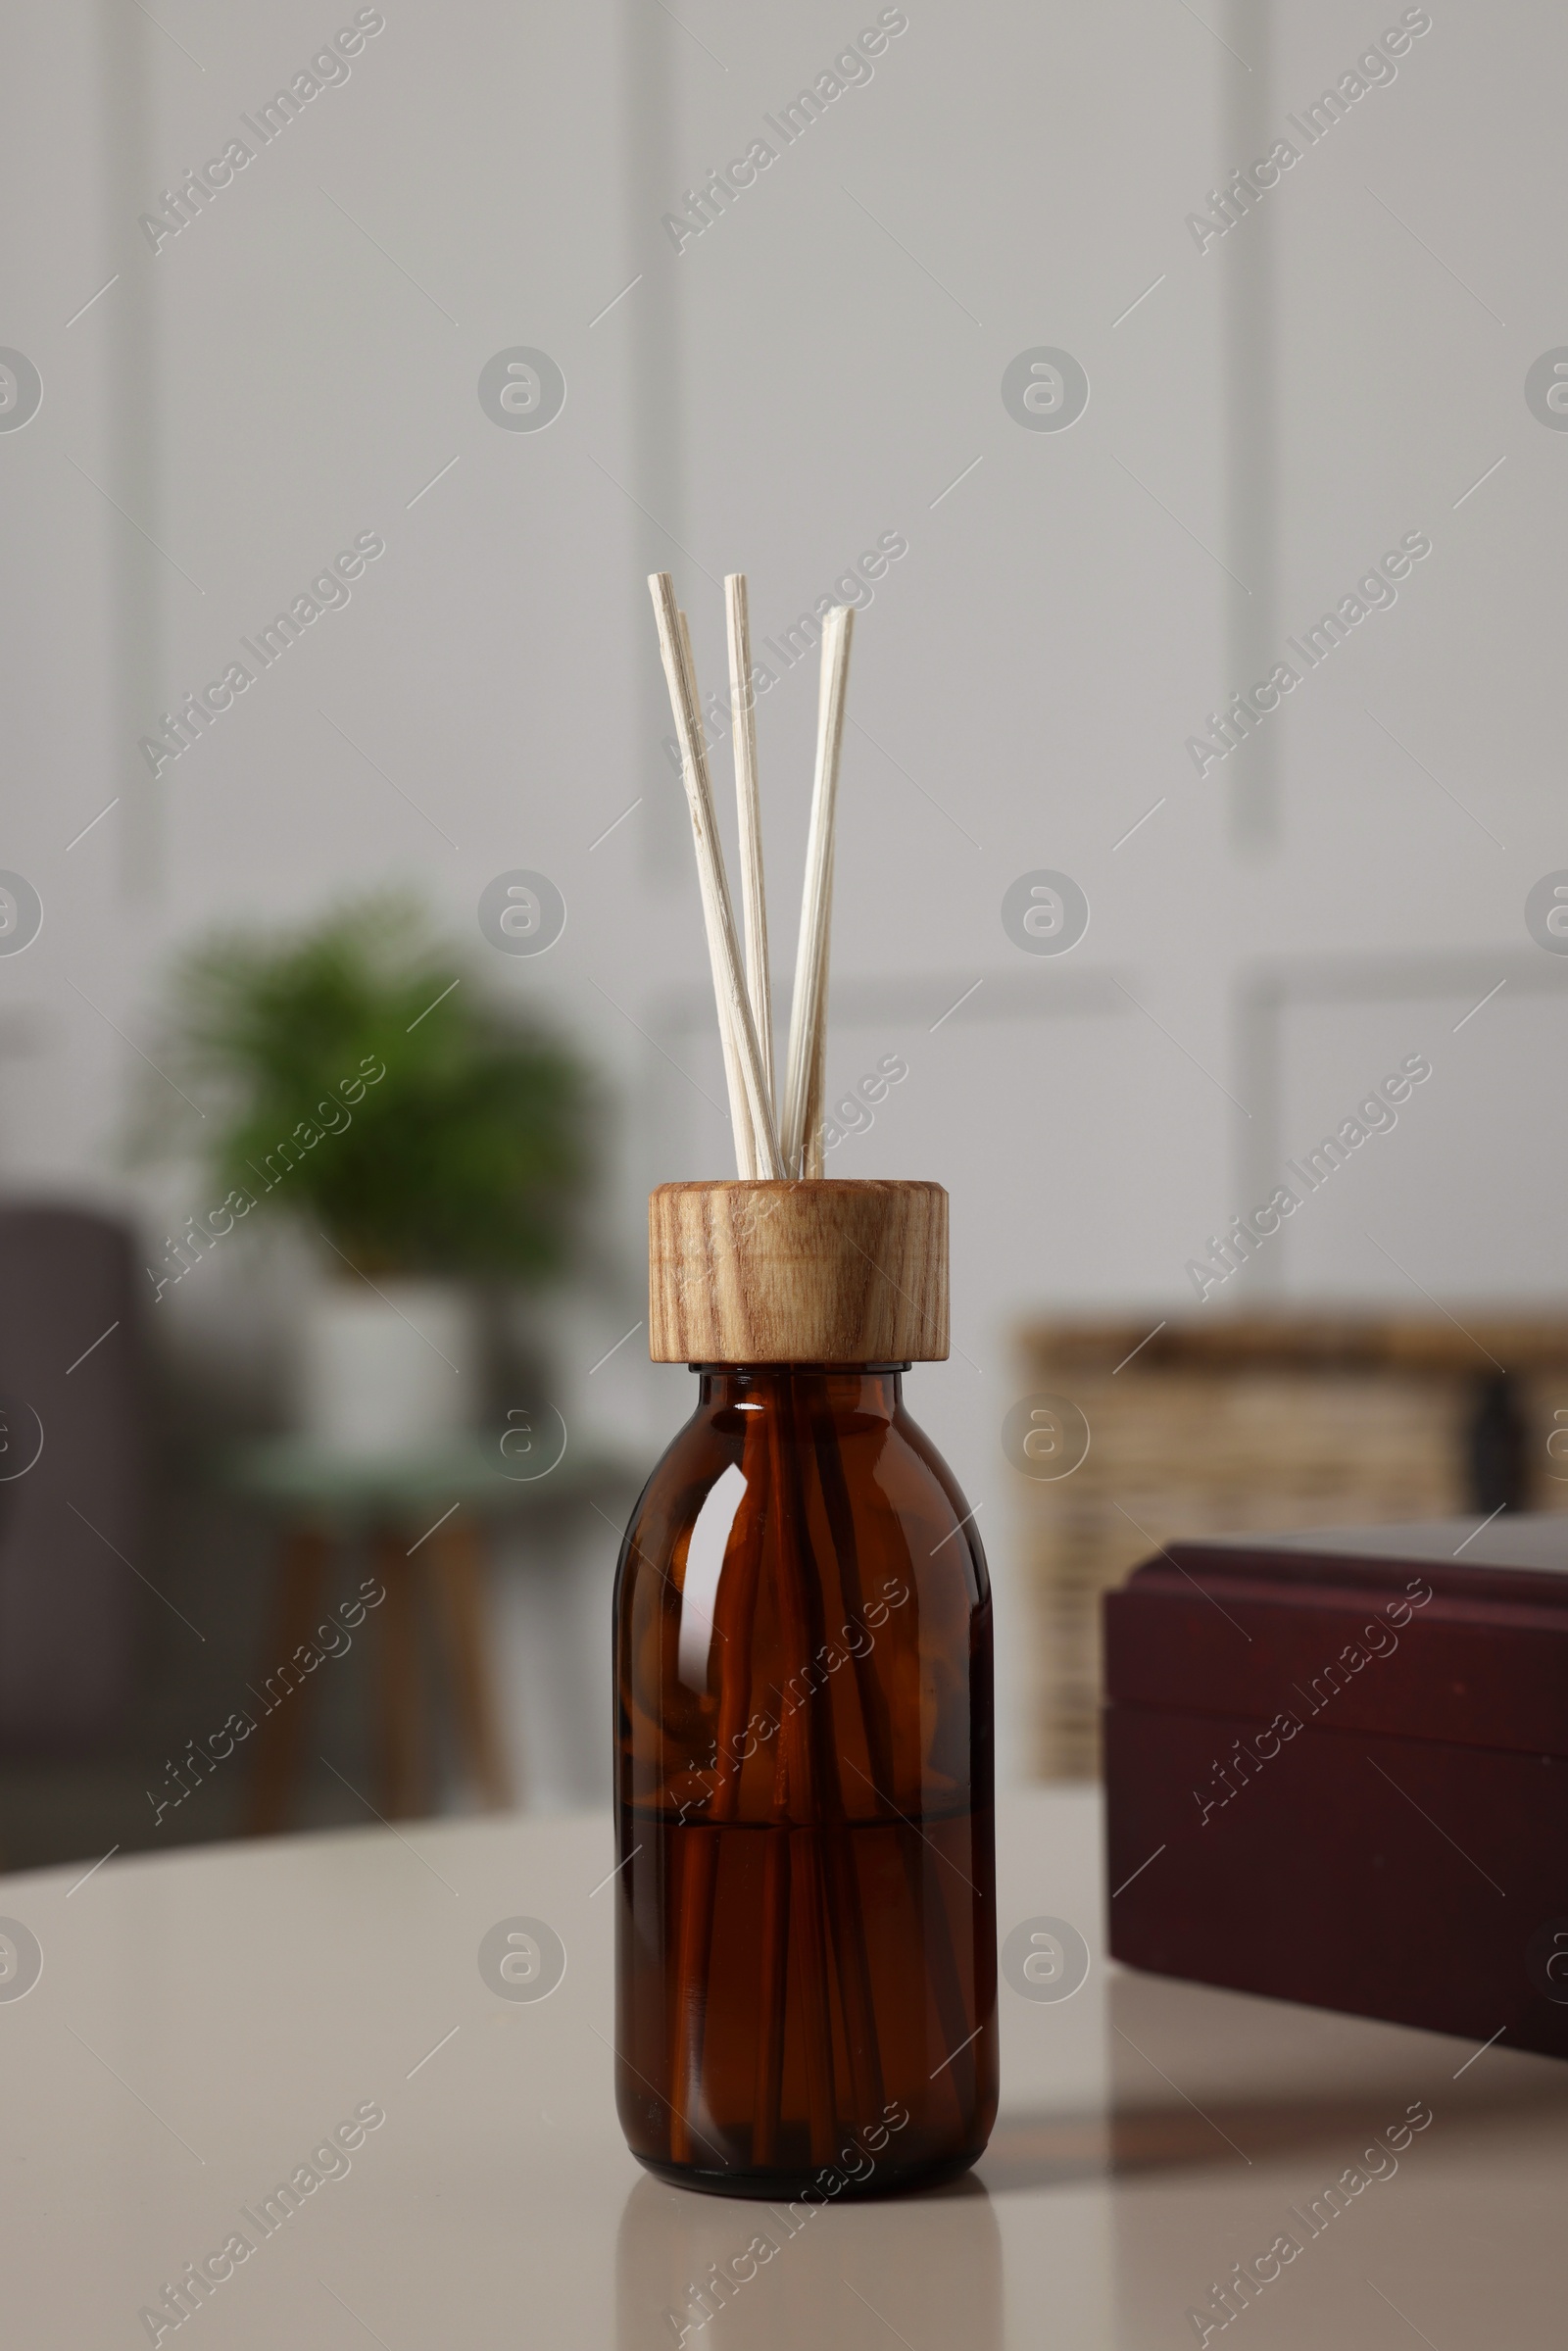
{"x":806,"y":1921}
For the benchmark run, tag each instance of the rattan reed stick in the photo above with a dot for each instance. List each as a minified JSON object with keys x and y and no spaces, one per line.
{"x":809,"y":1008}
{"x":748,"y":1164}
{"x":813,"y":1151}
{"x":748,"y":814}
{"x":751,"y":1110}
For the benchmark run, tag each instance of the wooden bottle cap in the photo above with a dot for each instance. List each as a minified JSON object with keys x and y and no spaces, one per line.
{"x":803,"y":1272}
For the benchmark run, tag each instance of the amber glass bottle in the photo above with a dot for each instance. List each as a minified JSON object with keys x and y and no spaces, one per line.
{"x":805,"y":1925}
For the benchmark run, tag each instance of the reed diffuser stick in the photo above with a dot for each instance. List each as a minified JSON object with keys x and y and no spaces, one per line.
{"x":812,"y":1155}
{"x":804,"y":1774}
{"x":748,"y":1158}
{"x":809,"y":1008}
{"x":747,"y":810}
{"x":760,"y":1140}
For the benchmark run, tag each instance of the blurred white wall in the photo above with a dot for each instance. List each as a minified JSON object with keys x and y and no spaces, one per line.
{"x":816,"y":371}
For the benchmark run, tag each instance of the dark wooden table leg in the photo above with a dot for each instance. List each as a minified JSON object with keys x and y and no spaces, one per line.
{"x":457,"y":1578}
{"x":284,"y":1689}
{"x":403,"y":1725}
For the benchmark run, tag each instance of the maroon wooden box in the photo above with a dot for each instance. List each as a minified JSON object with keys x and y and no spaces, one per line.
{"x":1336,"y":1771}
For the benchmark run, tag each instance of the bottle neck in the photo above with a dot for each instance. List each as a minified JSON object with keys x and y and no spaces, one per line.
{"x":869,"y":1390}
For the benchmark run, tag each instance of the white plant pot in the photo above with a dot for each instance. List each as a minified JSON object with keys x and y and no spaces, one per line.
{"x":387,"y":1370}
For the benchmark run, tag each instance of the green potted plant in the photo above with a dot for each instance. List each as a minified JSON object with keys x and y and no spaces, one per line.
{"x":356,"y":1079}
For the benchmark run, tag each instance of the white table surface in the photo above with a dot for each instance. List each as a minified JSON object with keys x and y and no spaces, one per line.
{"x":202,"y":2021}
